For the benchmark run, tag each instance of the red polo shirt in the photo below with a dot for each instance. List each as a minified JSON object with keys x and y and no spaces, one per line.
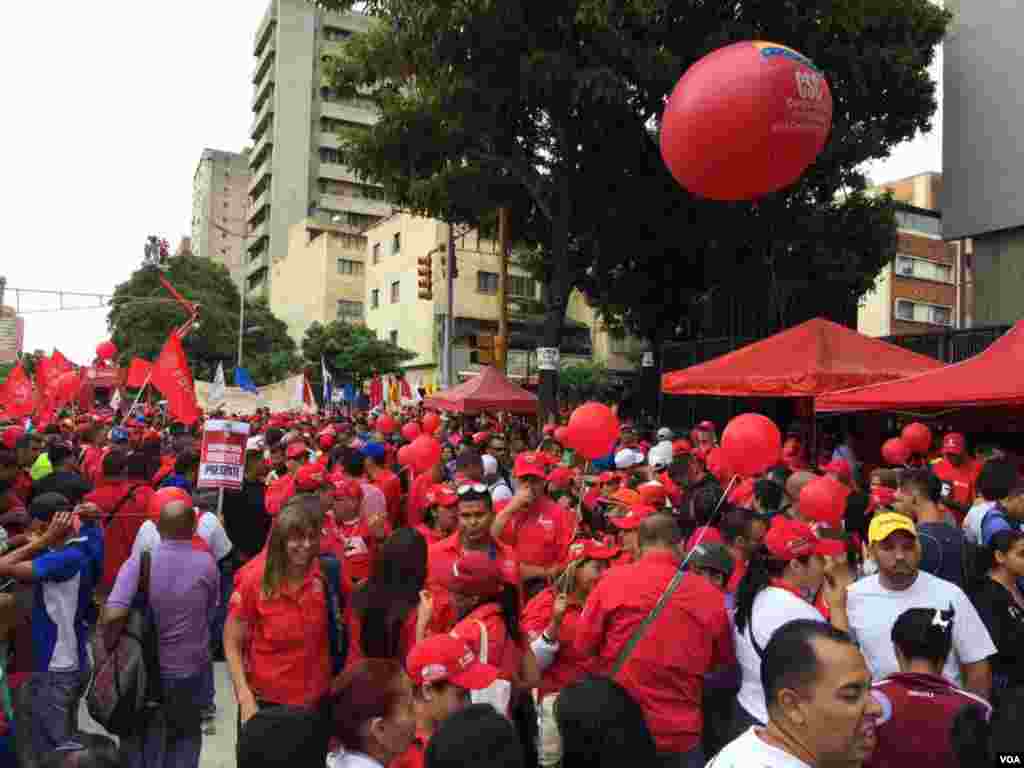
{"x":542,"y":533}
{"x":958,"y":483}
{"x":413,"y":757}
{"x":442,"y":556}
{"x":432,"y":536}
{"x":665,"y":672}
{"x":391,"y":487}
{"x":568,"y":666}
{"x":501,"y":651}
{"x":360,"y":546}
{"x":288,"y":657}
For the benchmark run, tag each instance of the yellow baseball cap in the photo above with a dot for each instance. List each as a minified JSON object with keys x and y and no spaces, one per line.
{"x":887,"y":523}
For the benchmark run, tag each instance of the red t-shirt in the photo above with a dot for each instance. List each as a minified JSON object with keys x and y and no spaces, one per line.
{"x":665,"y":672}
{"x":360,"y":546}
{"x":442,"y":556}
{"x":417,"y":501}
{"x":432,"y":536}
{"x":541,"y":534}
{"x":119,"y":534}
{"x":391,"y":487}
{"x":568,"y":666}
{"x":958,"y":483}
{"x":502,"y":652}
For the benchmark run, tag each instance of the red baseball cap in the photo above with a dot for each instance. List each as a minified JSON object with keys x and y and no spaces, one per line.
{"x":705,"y":535}
{"x":475,"y":573}
{"x":347,"y":488}
{"x":588,"y":549}
{"x":441,"y":496}
{"x":631,"y":520}
{"x":561,"y":477}
{"x":310,"y":477}
{"x":447,"y":658}
{"x":840,"y":467}
{"x":681,"y":447}
{"x":481,"y":437}
{"x":296,"y":450}
{"x":788,"y":539}
{"x":653,"y":494}
{"x":607,"y":477}
{"x":954,"y":444}
{"x":11,"y":436}
{"x":529,"y":465}
{"x":326,"y":441}
{"x":883,"y":496}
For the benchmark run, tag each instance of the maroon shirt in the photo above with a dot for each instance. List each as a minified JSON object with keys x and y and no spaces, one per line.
{"x":917,"y":715}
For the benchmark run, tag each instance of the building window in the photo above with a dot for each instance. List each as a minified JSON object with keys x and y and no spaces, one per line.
{"x":393,"y":336}
{"x":350,"y":311}
{"x":329,"y":155}
{"x":919,"y":222}
{"x":524,"y":287}
{"x":335,"y":34}
{"x":376,"y":253}
{"x":487,"y":282}
{"x":917,"y":312}
{"x":909,"y":266}
{"x":349,"y":267}
{"x":394,"y":292}
{"x":375,"y":298}
{"x":396,"y":243}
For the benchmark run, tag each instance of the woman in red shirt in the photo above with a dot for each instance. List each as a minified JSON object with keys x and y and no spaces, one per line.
{"x":441,"y":518}
{"x":360,"y":534}
{"x":550,"y":620}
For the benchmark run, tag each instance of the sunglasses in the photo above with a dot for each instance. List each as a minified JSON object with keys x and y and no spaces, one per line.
{"x":462,"y":490}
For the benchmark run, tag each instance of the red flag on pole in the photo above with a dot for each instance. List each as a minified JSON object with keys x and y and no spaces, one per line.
{"x":172,"y":376}
{"x":376,"y":391}
{"x":48,"y":373}
{"x":17,"y":395}
{"x":138,"y":372}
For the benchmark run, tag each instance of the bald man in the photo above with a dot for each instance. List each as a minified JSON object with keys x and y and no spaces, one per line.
{"x":184,"y":591}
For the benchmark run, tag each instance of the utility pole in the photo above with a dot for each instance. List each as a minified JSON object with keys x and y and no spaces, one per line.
{"x":501,"y":344}
{"x":449,"y":323}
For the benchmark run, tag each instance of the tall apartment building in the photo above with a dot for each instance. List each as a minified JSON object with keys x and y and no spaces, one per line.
{"x":927,"y":285}
{"x":220,"y":202}
{"x":296,"y":173}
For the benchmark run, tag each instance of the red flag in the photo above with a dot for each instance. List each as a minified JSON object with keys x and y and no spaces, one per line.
{"x":171,"y":375}
{"x":17,"y":395}
{"x":138,"y":372}
{"x":48,"y":373}
{"x":376,"y":391}
{"x":406,"y":391}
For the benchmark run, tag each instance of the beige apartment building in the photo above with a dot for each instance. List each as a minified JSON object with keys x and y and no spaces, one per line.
{"x":296,"y":173}
{"x":322,"y":279}
{"x":397,"y":312}
{"x":220,"y":201}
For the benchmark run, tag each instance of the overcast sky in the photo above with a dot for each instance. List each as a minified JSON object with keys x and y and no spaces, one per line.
{"x":108,"y":106}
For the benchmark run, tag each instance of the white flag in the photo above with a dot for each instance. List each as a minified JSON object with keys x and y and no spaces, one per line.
{"x":115,"y":401}
{"x":218,"y":390}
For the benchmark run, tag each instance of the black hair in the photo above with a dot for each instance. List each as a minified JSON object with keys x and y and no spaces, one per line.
{"x":768,"y":494}
{"x":977,"y":739}
{"x":136,"y":464}
{"x":789,"y":660}
{"x":1001,"y":541}
{"x":354,"y":463}
{"x":703,"y":502}
{"x":475,"y":735}
{"x":924,"y":633}
{"x":736,"y":522}
{"x":392,"y":590}
{"x":602,"y":726}
{"x":855,"y":517}
{"x":273,"y":437}
{"x":470,"y":457}
{"x":59,"y":453}
{"x":8,"y":458}
{"x":471,"y":495}
{"x":778,"y":474}
{"x":924,"y":482}
{"x":761,"y":569}
{"x":997,"y":479}
{"x":186,"y":462}
{"x":508,"y":601}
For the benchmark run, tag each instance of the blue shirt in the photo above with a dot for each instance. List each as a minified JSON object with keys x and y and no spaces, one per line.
{"x":62,"y":605}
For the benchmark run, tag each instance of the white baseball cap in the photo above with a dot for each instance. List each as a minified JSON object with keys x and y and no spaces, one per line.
{"x":664,"y":433}
{"x":490,"y":465}
{"x":660,"y":456}
{"x":627,"y":458}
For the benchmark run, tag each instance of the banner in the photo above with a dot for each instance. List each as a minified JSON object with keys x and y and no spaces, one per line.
{"x":17,"y":395}
{"x":218,"y":388}
{"x":172,"y":376}
{"x":285,"y":395}
{"x":222,"y":458}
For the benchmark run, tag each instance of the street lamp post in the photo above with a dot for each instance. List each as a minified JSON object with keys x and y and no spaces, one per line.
{"x":241,"y":288}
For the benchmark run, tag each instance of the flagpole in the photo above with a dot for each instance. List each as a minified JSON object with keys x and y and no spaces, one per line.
{"x":137,"y":397}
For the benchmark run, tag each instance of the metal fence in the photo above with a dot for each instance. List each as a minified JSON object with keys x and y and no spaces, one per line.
{"x":950,"y":346}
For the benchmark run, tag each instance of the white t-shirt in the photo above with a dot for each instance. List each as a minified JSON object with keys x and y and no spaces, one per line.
{"x":873,"y":611}
{"x":750,"y":751}
{"x":146,"y":539}
{"x":773,"y":607}
{"x":209,"y":529}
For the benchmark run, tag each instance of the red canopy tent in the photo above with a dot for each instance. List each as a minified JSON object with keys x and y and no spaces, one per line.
{"x":488,"y":391}
{"x":993,"y":378}
{"x":806,"y":360}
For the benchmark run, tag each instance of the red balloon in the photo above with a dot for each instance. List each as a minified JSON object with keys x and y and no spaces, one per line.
{"x":105,"y":350}
{"x":431,"y":421}
{"x":895,"y":452}
{"x":410,"y":431}
{"x":386,"y":424}
{"x":562,"y":436}
{"x":424,"y":452}
{"x":404,"y":459}
{"x":166,"y":496}
{"x":750,"y":444}
{"x":823,"y":500}
{"x":593,"y":430}
{"x":918,"y":437}
{"x":68,"y":385}
{"x":746,"y":120}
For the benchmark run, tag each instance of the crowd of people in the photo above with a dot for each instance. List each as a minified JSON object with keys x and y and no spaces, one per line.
{"x":514,"y":604}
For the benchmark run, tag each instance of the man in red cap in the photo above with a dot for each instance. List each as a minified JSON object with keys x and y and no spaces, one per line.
{"x":442,"y":514}
{"x":360,"y":535}
{"x":664,"y":669}
{"x":959,"y":475}
{"x":538,"y":529}
{"x":628,"y":523}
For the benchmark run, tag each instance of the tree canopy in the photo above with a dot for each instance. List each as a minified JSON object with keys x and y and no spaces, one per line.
{"x":143,"y":314}
{"x":353,"y":353}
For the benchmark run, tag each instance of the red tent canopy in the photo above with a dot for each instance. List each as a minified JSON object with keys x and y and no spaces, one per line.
{"x":809,"y":359}
{"x":993,"y":378}
{"x":489,"y":391}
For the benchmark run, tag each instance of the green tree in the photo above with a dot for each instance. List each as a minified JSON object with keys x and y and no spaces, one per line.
{"x":143,"y":314}
{"x":549,"y":107}
{"x":583,"y":381}
{"x":352,"y":353}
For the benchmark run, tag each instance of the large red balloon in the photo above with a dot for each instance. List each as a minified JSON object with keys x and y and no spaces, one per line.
{"x":431,"y":421}
{"x":895,"y":452}
{"x":750,"y":444}
{"x":746,"y":120}
{"x":105,"y":350}
{"x":918,"y":437}
{"x":823,"y":500}
{"x":593,"y":430}
{"x":165,"y":496}
{"x":562,"y":436}
{"x":385,"y":424}
{"x":424,"y":452}
{"x":410,"y":431}
{"x":404,"y":459}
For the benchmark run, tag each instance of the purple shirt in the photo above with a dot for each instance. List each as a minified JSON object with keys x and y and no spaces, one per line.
{"x":184,"y":590}
{"x":374,"y":501}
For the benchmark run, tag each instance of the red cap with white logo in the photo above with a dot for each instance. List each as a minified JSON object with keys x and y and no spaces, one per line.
{"x":444,"y":658}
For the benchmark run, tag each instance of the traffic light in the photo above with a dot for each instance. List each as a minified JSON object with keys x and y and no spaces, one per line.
{"x":482,"y":352}
{"x":425,"y":270}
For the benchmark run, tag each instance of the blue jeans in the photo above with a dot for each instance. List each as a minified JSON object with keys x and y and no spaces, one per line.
{"x":206,"y":689}
{"x":54,"y":698}
{"x":171,"y":737}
